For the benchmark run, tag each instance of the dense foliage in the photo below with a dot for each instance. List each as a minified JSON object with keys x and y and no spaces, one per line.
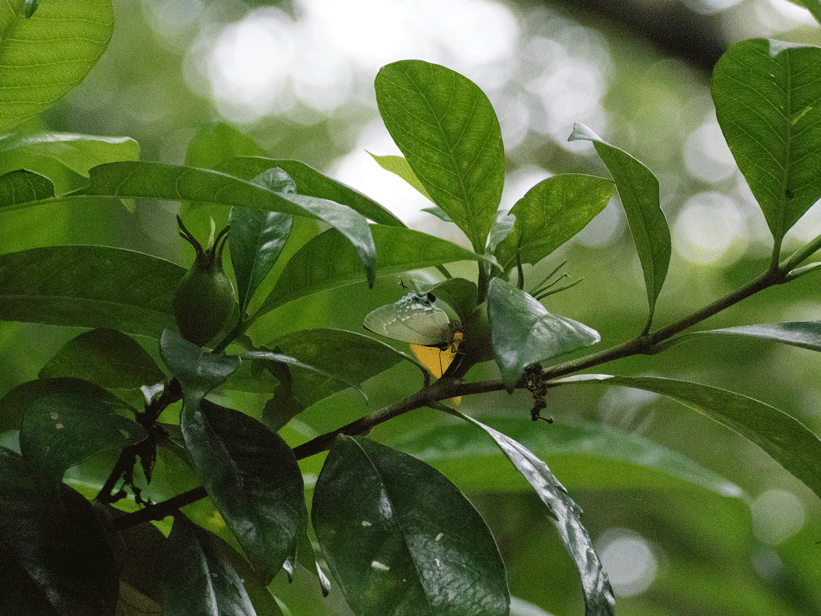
{"x":137,"y":401}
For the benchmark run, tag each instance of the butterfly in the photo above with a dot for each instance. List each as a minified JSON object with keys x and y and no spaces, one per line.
{"x":414,"y":319}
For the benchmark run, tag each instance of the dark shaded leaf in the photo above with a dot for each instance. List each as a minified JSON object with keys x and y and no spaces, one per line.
{"x":524,"y":332}
{"x":62,"y":429}
{"x":400,"y":539}
{"x":24,"y":186}
{"x":89,"y":286}
{"x":399,"y":249}
{"x":639,"y":193}
{"x":446,"y":127}
{"x":257,"y":238}
{"x":252,"y":477}
{"x":31,"y":393}
{"x":551,"y":213}
{"x":62,"y":544}
{"x":199,"y":580}
{"x":106,"y":357}
{"x":198,"y":370}
{"x":565,"y":515}
{"x":784,"y":438}
{"x":766,"y":96}
{"x":312,"y":183}
{"x":344,"y":359}
{"x":41,"y":62}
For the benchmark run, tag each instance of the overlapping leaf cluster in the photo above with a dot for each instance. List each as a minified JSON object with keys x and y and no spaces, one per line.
{"x":397,"y":536}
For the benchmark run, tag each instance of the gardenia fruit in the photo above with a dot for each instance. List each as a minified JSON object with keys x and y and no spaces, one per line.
{"x":204,"y":300}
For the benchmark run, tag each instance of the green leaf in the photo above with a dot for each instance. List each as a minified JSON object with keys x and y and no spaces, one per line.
{"x":399,"y":165}
{"x":447,"y":130}
{"x":458,"y":293}
{"x":638,"y":191}
{"x":252,"y":477}
{"x":565,"y":515}
{"x":178,"y":183}
{"x":335,"y":372}
{"x":585,"y":454}
{"x":89,"y":286}
{"x":766,"y":96}
{"x":400,"y":539}
{"x":784,"y":438}
{"x":257,"y":238}
{"x":804,"y":334}
{"x":343,"y":357}
{"x":525,"y":333}
{"x":813,"y":6}
{"x":49,"y":54}
{"x":200,"y":580}
{"x":30,"y":393}
{"x":438,"y":212}
{"x":61,"y":430}
{"x":400,"y":250}
{"x":106,"y":357}
{"x":62,"y":544}
{"x":23,"y":187}
{"x":77,"y":153}
{"x":312,"y":183}
{"x":198,"y":370}
{"x":551,"y":213}
{"x":213,"y":144}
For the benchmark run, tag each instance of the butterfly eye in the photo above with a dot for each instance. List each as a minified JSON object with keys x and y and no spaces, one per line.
{"x":431,"y":297}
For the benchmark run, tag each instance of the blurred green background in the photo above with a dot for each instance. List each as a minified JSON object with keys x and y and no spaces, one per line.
{"x":297,"y":77}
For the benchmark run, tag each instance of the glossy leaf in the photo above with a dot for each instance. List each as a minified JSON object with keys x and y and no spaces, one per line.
{"x":32,"y":81}
{"x":784,"y":438}
{"x":199,"y":580}
{"x":638,"y":191}
{"x":252,"y":477}
{"x":447,"y":130}
{"x":524,"y":332}
{"x":23,"y":187}
{"x":565,"y":515}
{"x":106,"y":357}
{"x":344,"y":357}
{"x":61,"y":430}
{"x":96,"y":286}
{"x":178,"y":183}
{"x":312,"y":183}
{"x":399,"y":166}
{"x":551,"y":213}
{"x":62,"y":544}
{"x":585,"y":454}
{"x":766,"y":96}
{"x":399,"y":249}
{"x":804,"y":334}
{"x":257,"y":238}
{"x":198,"y":370}
{"x":77,"y":153}
{"x":400,"y":539}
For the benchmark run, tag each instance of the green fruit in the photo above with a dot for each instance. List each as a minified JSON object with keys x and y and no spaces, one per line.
{"x":204,"y":301}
